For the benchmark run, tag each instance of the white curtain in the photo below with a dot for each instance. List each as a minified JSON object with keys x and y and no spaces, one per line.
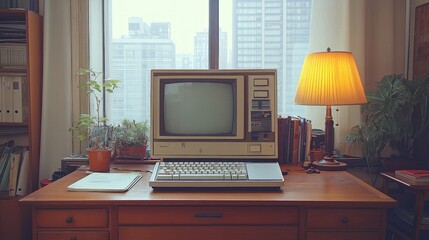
{"x":375,"y":32}
{"x":56,"y":142}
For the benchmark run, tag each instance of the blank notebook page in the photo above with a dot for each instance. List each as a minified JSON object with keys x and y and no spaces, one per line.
{"x":106,"y":182}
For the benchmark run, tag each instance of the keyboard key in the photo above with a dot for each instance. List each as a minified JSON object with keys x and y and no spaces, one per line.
{"x":164,"y":177}
{"x":201,"y":176}
{"x":242,"y":176}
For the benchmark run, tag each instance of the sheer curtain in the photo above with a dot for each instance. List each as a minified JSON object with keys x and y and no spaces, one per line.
{"x":56,"y":120}
{"x":65,"y":44}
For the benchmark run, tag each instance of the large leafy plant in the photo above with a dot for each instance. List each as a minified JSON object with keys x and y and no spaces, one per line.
{"x":95,"y":128}
{"x":396,"y":115}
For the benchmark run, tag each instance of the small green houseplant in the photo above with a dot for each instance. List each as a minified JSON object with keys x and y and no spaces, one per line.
{"x":95,"y":128}
{"x":396,"y":115}
{"x":131,"y":138}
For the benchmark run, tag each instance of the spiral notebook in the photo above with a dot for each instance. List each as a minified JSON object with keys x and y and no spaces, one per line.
{"x":106,"y":182}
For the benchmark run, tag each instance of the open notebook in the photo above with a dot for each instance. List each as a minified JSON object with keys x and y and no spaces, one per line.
{"x":106,"y":182}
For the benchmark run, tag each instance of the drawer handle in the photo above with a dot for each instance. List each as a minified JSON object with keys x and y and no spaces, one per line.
{"x":69,"y":220}
{"x":344,"y":220}
{"x":73,"y":238}
{"x":208,"y":215}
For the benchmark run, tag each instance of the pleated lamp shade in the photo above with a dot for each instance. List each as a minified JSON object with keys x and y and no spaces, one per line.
{"x":330,"y":78}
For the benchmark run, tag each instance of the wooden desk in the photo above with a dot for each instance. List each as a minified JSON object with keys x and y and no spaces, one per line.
{"x":421,"y":190}
{"x":329,"y":205}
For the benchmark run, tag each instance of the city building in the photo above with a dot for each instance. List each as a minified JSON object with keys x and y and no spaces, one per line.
{"x":273,"y":34}
{"x":132,"y":57}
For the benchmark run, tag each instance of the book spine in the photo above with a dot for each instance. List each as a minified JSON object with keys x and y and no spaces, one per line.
{"x":414,"y":173}
{"x":412,"y":178}
{"x":295,"y":146}
{"x":281,"y":139}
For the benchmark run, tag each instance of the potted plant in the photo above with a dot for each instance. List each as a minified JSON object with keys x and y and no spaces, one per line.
{"x":396,"y":115}
{"x":131,"y":138}
{"x":95,"y":129}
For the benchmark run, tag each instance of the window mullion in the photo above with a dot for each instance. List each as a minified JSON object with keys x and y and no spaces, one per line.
{"x":214,"y":34}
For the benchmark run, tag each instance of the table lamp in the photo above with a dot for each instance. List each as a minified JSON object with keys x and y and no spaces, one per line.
{"x":329,"y":78}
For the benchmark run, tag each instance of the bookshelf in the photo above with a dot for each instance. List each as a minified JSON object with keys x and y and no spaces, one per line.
{"x":21,"y":33}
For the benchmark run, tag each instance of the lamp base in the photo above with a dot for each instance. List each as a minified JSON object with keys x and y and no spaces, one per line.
{"x":329,"y":164}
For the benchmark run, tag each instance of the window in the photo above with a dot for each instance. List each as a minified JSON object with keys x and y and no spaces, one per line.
{"x":141,"y":35}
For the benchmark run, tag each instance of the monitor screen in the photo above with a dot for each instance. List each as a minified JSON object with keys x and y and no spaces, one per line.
{"x":199,"y":108}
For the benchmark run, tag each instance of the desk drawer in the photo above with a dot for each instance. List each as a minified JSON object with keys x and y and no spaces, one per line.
{"x":69,"y":235}
{"x":344,"y":219}
{"x":72,"y":218}
{"x":209,"y":232}
{"x":349,"y":235}
{"x":165,"y":215}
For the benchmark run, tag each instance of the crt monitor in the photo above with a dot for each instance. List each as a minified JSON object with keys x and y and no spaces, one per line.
{"x":209,"y":114}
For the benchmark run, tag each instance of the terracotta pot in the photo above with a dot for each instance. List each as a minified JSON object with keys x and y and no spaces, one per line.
{"x":132,"y":152}
{"x":99,"y":160}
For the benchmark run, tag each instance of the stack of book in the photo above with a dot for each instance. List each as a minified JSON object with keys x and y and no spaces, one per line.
{"x":294,"y":138}
{"x":14,"y":165}
{"x":414,"y":175}
{"x":26,"y":4}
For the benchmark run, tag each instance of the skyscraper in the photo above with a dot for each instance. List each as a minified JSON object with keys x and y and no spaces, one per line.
{"x":132,"y":58}
{"x":273,"y":34}
{"x":201,"y":50}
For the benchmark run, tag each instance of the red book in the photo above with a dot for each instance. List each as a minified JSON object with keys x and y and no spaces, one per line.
{"x":416,"y":175}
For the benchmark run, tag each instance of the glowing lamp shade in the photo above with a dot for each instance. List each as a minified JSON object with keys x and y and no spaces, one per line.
{"x":329,"y":78}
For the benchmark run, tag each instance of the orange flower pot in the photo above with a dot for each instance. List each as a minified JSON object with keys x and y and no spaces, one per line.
{"x":99,"y":159}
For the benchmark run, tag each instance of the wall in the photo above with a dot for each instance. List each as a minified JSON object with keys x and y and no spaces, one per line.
{"x":385,"y":40}
{"x":384,"y":51}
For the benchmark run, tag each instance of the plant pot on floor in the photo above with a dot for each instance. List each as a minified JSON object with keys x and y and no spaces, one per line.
{"x":99,"y":159}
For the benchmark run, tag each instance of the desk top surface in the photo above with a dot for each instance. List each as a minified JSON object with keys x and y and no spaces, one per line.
{"x":336,"y":189}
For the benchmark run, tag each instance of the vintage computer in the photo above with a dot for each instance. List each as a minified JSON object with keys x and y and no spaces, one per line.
{"x":214,"y":116}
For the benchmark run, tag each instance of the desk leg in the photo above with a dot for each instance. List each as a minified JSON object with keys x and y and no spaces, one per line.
{"x":418,"y":214}
{"x":385,"y":186}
